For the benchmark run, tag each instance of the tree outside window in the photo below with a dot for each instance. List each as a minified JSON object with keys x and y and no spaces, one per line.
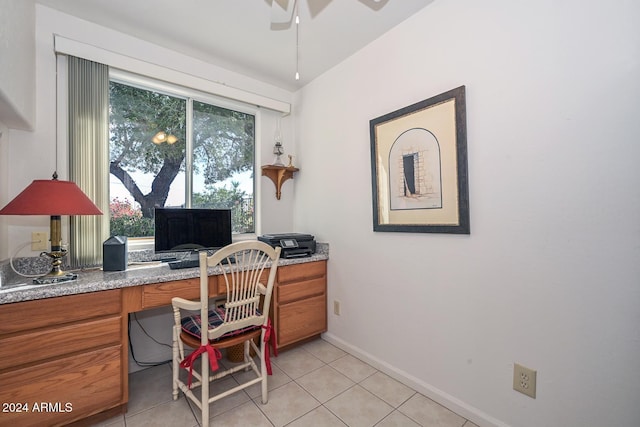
{"x":149,"y":158}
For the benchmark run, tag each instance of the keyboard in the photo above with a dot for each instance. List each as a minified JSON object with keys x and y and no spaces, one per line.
{"x":184,"y":263}
{"x":191,"y":263}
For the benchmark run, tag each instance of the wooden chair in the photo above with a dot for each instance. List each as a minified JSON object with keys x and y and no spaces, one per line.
{"x":242,"y":317}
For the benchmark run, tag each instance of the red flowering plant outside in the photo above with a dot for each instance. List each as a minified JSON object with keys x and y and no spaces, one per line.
{"x":127,"y":220}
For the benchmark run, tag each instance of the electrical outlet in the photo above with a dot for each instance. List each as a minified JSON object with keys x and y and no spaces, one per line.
{"x":336,"y":307}
{"x":39,"y":241}
{"x":524,"y":380}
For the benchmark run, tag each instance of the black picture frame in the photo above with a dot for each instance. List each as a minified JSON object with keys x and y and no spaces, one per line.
{"x":419,"y":167}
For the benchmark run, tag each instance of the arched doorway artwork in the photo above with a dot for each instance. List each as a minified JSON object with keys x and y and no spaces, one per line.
{"x":415,"y":180}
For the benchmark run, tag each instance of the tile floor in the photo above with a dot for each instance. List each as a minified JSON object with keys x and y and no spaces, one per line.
{"x":316,"y":384}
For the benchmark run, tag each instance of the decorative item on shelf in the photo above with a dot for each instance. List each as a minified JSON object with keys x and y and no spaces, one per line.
{"x":278,"y":174}
{"x":278,"y":150}
{"x":290,"y":165}
{"x":53,"y":198}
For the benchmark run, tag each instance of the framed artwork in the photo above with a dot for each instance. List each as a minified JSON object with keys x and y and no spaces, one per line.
{"x":419,"y":167}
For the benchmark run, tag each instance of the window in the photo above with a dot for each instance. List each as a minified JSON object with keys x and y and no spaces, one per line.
{"x":177,"y":149}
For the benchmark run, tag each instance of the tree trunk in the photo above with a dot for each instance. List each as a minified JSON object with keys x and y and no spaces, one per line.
{"x":159,"y":188}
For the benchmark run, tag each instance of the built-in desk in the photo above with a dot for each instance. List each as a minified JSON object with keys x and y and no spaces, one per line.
{"x":63,"y":348}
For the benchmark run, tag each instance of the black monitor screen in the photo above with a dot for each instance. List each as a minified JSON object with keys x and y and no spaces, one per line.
{"x":191,"y":229}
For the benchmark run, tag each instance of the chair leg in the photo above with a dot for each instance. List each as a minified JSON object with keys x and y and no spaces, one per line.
{"x":247,"y":354}
{"x":175,"y":364}
{"x":204,"y":396}
{"x":263,"y":370}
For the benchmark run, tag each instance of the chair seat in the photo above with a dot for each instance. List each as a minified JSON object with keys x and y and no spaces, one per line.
{"x":227,"y":342}
{"x":192,"y":325}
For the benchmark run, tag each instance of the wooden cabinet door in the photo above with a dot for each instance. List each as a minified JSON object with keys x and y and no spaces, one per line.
{"x":300,"y":302}
{"x":62,"y":390}
{"x":301,"y":319}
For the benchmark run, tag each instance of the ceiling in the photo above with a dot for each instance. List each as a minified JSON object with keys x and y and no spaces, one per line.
{"x":238,"y":34}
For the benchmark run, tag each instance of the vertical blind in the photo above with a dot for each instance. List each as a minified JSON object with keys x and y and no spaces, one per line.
{"x":88,"y":131}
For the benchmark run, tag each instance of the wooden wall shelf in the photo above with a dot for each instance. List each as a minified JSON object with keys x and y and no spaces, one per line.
{"x":278,"y":174}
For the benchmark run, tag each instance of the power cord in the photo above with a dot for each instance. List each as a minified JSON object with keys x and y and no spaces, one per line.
{"x":24,"y":245}
{"x":133,"y":356}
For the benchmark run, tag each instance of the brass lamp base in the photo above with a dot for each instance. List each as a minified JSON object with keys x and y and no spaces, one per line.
{"x":48,"y":280}
{"x":56,"y":275}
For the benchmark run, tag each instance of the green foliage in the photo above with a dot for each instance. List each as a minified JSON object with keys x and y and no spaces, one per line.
{"x":223,"y":144}
{"x":223,"y":141}
{"x":128,"y":221}
{"x":240,"y":203}
{"x":136,"y":115}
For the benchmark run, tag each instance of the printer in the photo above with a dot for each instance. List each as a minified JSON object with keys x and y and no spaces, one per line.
{"x":294,"y":245}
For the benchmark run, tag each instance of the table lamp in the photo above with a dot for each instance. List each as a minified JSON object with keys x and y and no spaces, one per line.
{"x":53,"y":198}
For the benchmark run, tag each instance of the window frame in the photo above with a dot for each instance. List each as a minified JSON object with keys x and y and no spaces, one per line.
{"x":190,"y":95}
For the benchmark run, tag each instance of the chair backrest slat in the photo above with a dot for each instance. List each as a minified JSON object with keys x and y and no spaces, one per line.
{"x":243,"y":283}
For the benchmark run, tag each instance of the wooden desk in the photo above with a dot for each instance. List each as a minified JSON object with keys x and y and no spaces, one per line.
{"x":65,"y":359}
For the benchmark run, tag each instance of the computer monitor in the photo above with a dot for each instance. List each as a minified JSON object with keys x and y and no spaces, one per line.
{"x":191,"y":230}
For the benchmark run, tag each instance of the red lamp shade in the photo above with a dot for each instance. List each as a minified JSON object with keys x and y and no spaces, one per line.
{"x":54,"y":198}
{"x":51,"y":197}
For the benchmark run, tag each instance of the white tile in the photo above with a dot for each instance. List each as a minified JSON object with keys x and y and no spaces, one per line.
{"x":277,"y":379}
{"x":354,"y":394}
{"x":323,"y":350}
{"x":397,"y":419}
{"x":386,"y":388}
{"x":219,"y":406}
{"x":242,"y":416}
{"x":325,"y":383}
{"x":297,"y":362}
{"x":357,"y":407}
{"x":319,"y":417}
{"x":117,"y":421}
{"x":353,"y":368}
{"x":174,"y":413}
{"x":428,"y":413}
{"x":287,"y":403}
{"x":149,"y":388}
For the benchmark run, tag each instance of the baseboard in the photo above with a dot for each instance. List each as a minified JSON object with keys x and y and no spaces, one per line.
{"x":456,"y":405}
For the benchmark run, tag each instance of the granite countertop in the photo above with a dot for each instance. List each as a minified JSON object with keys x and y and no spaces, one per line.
{"x":142,"y":273}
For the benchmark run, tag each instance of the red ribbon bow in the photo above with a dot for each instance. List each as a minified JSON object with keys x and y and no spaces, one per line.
{"x":214,"y":356}
{"x":269,"y":336}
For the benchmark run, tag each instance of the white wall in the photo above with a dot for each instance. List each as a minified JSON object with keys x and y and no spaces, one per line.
{"x":550,"y":275}
{"x":4,"y":165}
{"x":17,"y":84}
{"x":17,"y":60}
{"x":31,"y":154}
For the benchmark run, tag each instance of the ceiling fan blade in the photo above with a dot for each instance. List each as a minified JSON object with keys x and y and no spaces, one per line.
{"x":374,"y":4}
{"x":282,"y":14}
{"x":317,"y":6}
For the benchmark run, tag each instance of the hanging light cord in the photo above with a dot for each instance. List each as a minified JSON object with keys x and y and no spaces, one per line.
{"x":297,"y":41}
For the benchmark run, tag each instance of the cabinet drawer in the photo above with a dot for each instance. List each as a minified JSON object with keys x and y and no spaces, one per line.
{"x":46,"y":343}
{"x":299,"y":272}
{"x":160,"y":294}
{"x":25,"y":316}
{"x":298,"y":290}
{"x":302,"y":319}
{"x":71,"y":388}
